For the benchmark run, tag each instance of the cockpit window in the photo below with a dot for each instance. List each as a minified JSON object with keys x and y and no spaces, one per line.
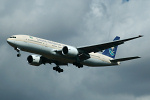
{"x":12,"y":37}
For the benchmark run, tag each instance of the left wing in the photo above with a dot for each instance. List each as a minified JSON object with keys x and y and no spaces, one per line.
{"x":100,"y":47}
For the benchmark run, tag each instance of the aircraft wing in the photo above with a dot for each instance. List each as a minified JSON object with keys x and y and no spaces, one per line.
{"x":100,"y":47}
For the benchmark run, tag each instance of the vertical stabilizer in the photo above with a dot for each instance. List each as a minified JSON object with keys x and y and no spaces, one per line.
{"x":111,"y":52}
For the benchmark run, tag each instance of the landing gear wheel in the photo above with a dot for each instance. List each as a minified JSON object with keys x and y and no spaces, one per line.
{"x":54,"y":68}
{"x":78,"y":65}
{"x":58,"y":69}
{"x":18,"y":55}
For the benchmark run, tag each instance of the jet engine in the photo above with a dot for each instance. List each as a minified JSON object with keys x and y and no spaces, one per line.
{"x":34,"y":60}
{"x":70,"y":51}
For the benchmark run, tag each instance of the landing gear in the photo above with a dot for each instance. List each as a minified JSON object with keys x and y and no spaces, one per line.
{"x":18,"y":50}
{"x":78,"y":65}
{"x":58,"y":69}
{"x":18,"y":55}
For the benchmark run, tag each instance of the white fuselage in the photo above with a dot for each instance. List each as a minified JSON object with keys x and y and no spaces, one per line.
{"x":48,"y":49}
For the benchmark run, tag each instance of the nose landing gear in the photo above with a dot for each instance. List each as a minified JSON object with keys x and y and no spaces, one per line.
{"x":18,"y":50}
{"x":18,"y":55}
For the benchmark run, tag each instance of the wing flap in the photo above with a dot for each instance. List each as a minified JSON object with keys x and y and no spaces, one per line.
{"x":125,"y":59}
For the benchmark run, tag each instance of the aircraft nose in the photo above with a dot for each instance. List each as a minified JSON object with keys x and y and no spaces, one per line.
{"x":11,"y":42}
{"x":8,"y":41}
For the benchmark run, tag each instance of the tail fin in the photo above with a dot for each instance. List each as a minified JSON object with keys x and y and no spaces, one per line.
{"x":111,"y":52}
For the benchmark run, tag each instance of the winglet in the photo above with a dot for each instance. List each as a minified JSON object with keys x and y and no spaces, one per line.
{"x":140,"y":35}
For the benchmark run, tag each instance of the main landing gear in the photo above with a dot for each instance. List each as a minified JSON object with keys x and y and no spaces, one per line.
{"x":18,"y":50}
{"x":58,"y":69}
{"x":78,"y":65}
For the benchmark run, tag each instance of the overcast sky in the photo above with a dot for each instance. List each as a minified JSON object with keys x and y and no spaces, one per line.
{"x":78,"y":23}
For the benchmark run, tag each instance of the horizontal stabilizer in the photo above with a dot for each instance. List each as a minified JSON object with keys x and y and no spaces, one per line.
{"x":124,"y":59}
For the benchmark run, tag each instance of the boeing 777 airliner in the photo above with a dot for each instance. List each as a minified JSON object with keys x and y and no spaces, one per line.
{"x":60,"y":54}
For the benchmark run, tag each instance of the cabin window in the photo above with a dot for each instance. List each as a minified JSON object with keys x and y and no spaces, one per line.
{"x":12,"y":37}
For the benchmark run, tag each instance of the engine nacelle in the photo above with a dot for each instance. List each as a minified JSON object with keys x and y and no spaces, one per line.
{"x":70,"y":51}
{"x":34,"y":60}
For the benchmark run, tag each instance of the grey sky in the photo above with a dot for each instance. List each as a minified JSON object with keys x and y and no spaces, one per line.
{"x":78,"y":23}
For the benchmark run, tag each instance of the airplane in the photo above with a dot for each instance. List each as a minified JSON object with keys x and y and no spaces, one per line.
{"x":46,"y":51}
